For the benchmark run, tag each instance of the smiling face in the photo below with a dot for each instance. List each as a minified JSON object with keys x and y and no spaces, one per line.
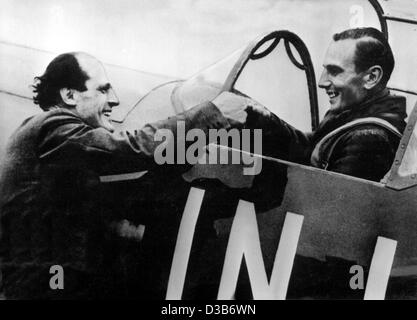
{"x":344,"y":86}
{"x":95,"y":104}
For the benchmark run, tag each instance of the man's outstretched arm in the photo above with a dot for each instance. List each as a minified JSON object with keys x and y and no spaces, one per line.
{"x":66,"y":139}
{"x":280,"y":139}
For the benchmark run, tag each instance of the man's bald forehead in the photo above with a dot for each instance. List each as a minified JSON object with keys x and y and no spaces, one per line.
{"x":88,"y":63}
{"x":84,"y":56}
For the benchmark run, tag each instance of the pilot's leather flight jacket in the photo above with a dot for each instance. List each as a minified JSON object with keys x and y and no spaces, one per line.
{"x":323,"y":150}
{"x":366,"y":150}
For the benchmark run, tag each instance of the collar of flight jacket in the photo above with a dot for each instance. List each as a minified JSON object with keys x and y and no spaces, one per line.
{"x":382,"y":105}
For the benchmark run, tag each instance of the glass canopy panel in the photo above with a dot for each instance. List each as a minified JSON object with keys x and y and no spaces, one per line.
{"x":409,"y":162}
{"x":207,"y":84}
{"x":403,"y":40}
{"x":278,"y":84}
{"x":406,"y":9}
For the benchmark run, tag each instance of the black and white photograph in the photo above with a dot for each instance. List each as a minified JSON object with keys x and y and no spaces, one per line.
{"x":208,"y":150}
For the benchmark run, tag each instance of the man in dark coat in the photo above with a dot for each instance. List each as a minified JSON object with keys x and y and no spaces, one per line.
{"x":50,"y":200}
{"x":357,"y":67}
{"x":358,"y":136}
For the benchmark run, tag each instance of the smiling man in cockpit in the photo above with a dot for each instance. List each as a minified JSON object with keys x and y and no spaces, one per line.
{"x":360,"y":133}
{"x":358,"y":136}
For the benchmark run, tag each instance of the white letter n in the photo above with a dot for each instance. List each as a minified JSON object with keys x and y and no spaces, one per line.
{"x":244,"y":241}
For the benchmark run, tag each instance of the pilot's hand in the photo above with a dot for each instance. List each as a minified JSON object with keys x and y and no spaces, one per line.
{"x":235,"y":107}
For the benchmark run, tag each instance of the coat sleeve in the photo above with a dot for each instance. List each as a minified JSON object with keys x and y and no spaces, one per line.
{"x":281,"y":140}
{"x":66,"y":139}
{"x":365,"y":153}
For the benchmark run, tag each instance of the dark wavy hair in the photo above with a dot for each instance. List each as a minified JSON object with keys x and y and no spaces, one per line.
{"x":375,"y":51}
{"x":62,"y":72}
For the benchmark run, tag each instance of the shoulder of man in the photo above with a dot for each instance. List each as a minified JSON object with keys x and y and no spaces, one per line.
{"x":369,"y":131}
{"x":47,"y":120}
{"x":55,"y":126}
{"x":366,"y":139}
{"x":60,"y":115}
{"x":363,"y":140}
{"x":56,"y":119}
